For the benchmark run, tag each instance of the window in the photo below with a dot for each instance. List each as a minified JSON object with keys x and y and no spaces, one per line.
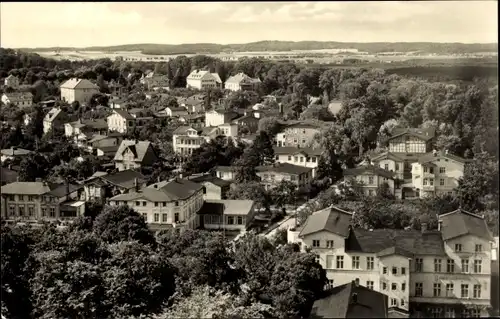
{"x":52,"y":212}
{"x":12,"y":198}
{"x":355,"y":262}
{"x":315,"y":243}
{"x":431,"y":181}
{"x":449,"y":290}
{"x":369,"y":284}
{"x":370,"y":192}
{"x":464,"y":290}
{"x":164,"y":217}
{"x":369,"y":263}
{"x":239,"y":220}
{"x":442,"y":170}
{"x":403,"y":286}
{"x":477,"y":266}
{"x":394,"y":302}
{"x":289,"y":158}
{"x":31,"y":198}
{"x":44,"y":211}
{"x":176,"y":204}
{"x":384,"y":270}
{"x":21,"y":198}
{"x":164,"y":204}
{"x":137,"y":203}
{"x":437,"y":290}
{"x":475,"y":313}
{"x":436,"y":312}
{"x":313,"y":159}
{"x":431,"y":170}
{"x":441,"y":181}
{"x":394,"y":286}
{"x":295,"y":158}
{"x":31,"y":211}
{"x":302,"y":159}
{"x":329,"y":244}
{"x":465,"y":313}
{"x":449,"y":313}
{"x":370,"y":180}
{"x":394,"y":270}
{"x":145,"y":216}
{"x":21,"y":210}
{"x":384,"y":286}
{"x":156,"y":204}
{"x":419,"y":264}
{"x":386,"y":167}
{"x":340,"y":262}
{"x":403,"y":270}
{"x":402,"y":302}
{"x":176,"y":218}
{"x":479,"y":248}
{"x":465,"y":265}
{"x":143,"y":203}
{"x":397,"y":166}
{"x":425,"y":181}
{"x":425,"y":169}
{"x":450,"y":266}
{"x":458,"y":247}
{"x":330,"y":283}
{"x":329,"y":261}
{"x":419,"y":287}
{"x":157,"y":217}
{"x":477,"y":291}
{"x":230,"y":220}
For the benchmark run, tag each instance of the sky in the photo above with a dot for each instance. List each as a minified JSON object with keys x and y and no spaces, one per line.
{"x":83,"y":24}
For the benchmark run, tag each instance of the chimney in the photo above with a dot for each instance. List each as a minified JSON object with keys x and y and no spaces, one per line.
{"x":434,"y":152}
{"x":136,"y":184}
{"x":423,"y":226}
{"x":356,"y":282}
{"x":440,"y":224}
{"x":354,"y":298}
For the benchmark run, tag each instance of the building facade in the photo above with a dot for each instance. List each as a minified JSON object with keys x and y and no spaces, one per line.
{"x":19,"y":99}
{"x":79,"y":90}
{"x":297,"y":135}
{"x":199,"y":79}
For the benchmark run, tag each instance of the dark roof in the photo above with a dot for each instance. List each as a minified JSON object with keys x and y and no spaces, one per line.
{"x":124,"y":179}
{"x":209,"y":178}
{"x":284,"y":168}
{"x":301,"y":124}
{"x":139,"y":148}
{"x":460,"y":223}
{"x":388,"y":155}
{"x":225,"y":168}
{"x":167,"y":191}
{"x":226,"y":206}
{"x":177,"y":109}
{"x":63,"y":190}
{"x":370,"y":169}
{"x":425,"y":134}
{"x":295,"y":150}
{"x":39,"y":188}
{"x":126,"y":115}
{"x":387,"y":242}
{"x":339,"y":303}
{"x":8,"y":175}
{"x":331,"y":219}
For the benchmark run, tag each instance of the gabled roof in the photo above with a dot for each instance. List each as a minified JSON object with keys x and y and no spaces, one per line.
{"x":225,"y":169}
{"x":375,"y":170}
{"x":208,"y":178}
{"x":331,"y":219}
{"x":460,"y":223}
{"x":294,"y":150}
{"x":39,"y":188}
{"x":139,"y":149}
{"x":339,"y":302}
{"x":126,"y":115}
{"x":177,"y":189}
{"x":387,"y":155}
{"x":425,"y":134}
{"x":303,"y":124}
{"x":19,"y":96}
{"x":241,"y":77}
{"x":203,"y":75}
{"x":182,"y":130}
{"x":75,"y":83}
{"x":125,"y":179}
{"x":14,"y":151}
{"x":217,"y":77}
{"x":227,"y":206}
{"x":91,"y":123}
{"x":284,"y":168}
{"x":431,"y":157}
{"x":53,"y":114}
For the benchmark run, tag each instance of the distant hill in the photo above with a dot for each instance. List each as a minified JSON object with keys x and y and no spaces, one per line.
{"x":212,"y":48}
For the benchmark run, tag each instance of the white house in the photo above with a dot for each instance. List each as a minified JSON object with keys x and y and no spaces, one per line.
{"x":306,"y":157}
{"x":216,"y":117}
{"x":80,"y":90}
{"x":201,"y":80}
{"x":186,"y":139}
{"x":19,"y":99}
{"x":120,"y":121}
{"x":11,"y":81}
{"x":240,"y":82}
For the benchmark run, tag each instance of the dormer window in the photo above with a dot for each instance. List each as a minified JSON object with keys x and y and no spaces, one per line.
{"x":458,"y":247}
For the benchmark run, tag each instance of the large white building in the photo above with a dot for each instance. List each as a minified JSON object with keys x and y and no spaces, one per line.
{"x":432,"y":273}
{"x":80,"y":90}
{"x":241,"y":82}
{"x":199,"y":79}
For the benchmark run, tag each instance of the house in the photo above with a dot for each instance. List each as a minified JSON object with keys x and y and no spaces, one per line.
{"x":241,"y":82}
{"x":216,"y":117}
{"x":196,"y":121}
{"x":399,"y":165}
{"x":430,"y":273}
{"x":14,"y":153}
{"x":186,"y":139}
{"x":101,"y":144}
{"x":120,"y":121}
{"x":306,"y":157}
{"x":176,"y":111}
{"x":249,"y":121}
{"x":78,"y":90}
{"x":226,"y":129}
{"x":411,"y":140}
{"x":351,"y":300}
{"x":436,"y":173}
{"x":146,"y":75}
{"x":371,"y":179}
{"x":134,"y":155}
{"x":232,"y":215}
{"x":215,"y":188}
{"x":102,"y":185}
{"x":334,"y":107}
{"x":299,"y":134}
{"x":8,"y":176}
{"x":272,"y":175}
{"x":193,"y":104}
{"x":55,"y":118}
{"x":11,"y":81}
{"x":166,"y":204}
{"x":199,"y":79}
{"x":83,"y":130}
{"x":19,"y":99}
{"x":32,"y":201}
{"x":156,"y":82}
{"x":226,"y":173}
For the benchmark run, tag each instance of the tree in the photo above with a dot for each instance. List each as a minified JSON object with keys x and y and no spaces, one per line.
{"x":263,"y":147}
{"x":252,"y":190}
{"x":122,"y":223}
{"x":270,"y":125}
{"x":285,"y":193}
{"x":32,"y":167}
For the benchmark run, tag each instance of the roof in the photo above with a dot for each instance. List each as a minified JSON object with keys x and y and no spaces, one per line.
{"x":225,"y":168}
{"x":177,"y":109}
{"x":460,"y":223}
{"x":369,"y":169}
{"x":124,"y":179}
{"x":241,"y":77}
{"x":91,"y":123}
{"x":431,"y":157}
{"x":38,"y":188}
{"x":295,"y":150}
{"x":284,"y":168}
{"x":217,"y":77}
{"x":339,"y":303}
{"x":387,"y":155}
{"x":331,"y":219}
{"x":227,"y":207}
{"x":301,"y":124}
{"x":182,"y":130}
{"x":200,"y":74}
{"x":387,"y":242}
{"x":208,"y":178}
{"x":19,"y":96}
{"x":8,"y":175}
{"x":177,"y":189}
{"x":425,"y":134}
{"x":139,"y":148}
{"x":14,"y":151}
{"x":53,"y":114}
{"x":126,"y":115}
{"x":75,"y":83}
